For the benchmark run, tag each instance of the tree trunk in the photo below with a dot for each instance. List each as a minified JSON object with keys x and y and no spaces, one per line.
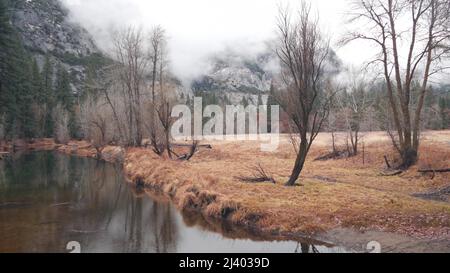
{"x":299,"y":163}
{"x":333,"y":138}
{"x":409,"y":156}
{"x":169,"y":151}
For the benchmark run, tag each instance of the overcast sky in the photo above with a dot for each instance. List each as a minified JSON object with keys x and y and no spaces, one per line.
{"x":199,"y":28}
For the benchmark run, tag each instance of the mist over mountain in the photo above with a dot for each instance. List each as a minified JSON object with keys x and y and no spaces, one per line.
{"x":48,"y":29}
{"x":231,"y":72}
{"x":45,"y":30}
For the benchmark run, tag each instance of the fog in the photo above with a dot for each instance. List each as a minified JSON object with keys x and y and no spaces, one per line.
{"x":199,"y":28}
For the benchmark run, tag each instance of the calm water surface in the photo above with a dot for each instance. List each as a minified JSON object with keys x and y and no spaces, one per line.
{"x":49,"y":199}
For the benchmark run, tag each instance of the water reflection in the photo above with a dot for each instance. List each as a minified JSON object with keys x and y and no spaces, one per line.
{"x":48,"y":199}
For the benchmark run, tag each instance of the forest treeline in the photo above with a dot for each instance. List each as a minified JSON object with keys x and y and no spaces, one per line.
{"x":39,"y":100}
{"x":36,"y":101}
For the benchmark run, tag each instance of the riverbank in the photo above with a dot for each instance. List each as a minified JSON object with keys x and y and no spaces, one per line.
{"x":348,"y":193}
{"x":111,"y":154}
{"x":333,"y":194}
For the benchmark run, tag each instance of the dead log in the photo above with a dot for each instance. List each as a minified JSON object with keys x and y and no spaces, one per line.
{"x":206,"y":146}
{"x":434,"y":171}
{"x":255,"y":179}
{"x":394,"y":173}
{"x":333,"y":155}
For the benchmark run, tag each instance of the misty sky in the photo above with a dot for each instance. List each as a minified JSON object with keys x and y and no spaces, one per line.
{"x":199,"y":28}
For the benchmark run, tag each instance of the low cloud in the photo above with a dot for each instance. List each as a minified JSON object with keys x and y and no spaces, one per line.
{"x":198,"y":29}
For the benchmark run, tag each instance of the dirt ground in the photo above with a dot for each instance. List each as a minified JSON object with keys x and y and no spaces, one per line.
{"x":341,"y":193}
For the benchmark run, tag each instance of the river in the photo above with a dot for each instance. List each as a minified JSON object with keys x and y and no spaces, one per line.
{"x":49,"y":199}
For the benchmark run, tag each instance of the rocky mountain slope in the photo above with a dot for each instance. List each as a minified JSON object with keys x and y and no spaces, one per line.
{"x":45,"y":30}
{"x":237,"y":76}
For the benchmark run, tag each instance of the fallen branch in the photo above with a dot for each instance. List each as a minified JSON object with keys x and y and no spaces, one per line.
{"x":434,"y":172}
{"x":193,"y":149}
{"x":259,"y":176}
{"x":394,"y":173}
{"x":388,"y":165}
{"x":332,"y":155}
{"x":206,"y":146}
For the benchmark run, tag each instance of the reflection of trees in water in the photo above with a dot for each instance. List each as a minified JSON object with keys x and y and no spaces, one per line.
{"x":85,"y":200}
{"x":228,"y":230}
{"x":164,"y":228}
{"x":105,"y":201}
{"x":306,"y":248}
{"x":135,"y":226}
{"x":151,"y":227}
{"x":30,"y":170}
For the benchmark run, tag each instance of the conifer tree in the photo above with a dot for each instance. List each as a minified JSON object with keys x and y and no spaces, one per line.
{"x":25,"y":98}
{"x":64,"y":93}
{"x":48,"y":98}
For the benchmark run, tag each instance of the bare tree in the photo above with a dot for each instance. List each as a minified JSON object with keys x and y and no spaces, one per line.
{"x":157,"y":57}
{"x":303,"y":53}
{"x":413,"y":37}
{"x":95,"y":120}
{"x":104,"y":109}
{"x":130,"y":73}
{"x":164,"y":107}
{"x":333,"y":122}
{"x":354,"y":104}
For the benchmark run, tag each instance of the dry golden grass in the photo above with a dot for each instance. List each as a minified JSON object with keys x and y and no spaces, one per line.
{"x":335,"y":193}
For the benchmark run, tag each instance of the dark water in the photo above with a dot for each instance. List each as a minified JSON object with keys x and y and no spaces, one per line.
{"x":48,"y":200}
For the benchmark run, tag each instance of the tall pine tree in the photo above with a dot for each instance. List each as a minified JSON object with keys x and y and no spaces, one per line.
{"x":48,"y":98}
{"x":15,"y":86}
{"x":63,"y":90}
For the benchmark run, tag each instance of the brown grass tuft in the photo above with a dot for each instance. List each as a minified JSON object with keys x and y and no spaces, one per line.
{"x":188,"y":200}
{"x":222,"y":208}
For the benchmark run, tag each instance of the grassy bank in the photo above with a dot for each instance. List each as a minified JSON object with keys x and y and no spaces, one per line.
{"x":335,"y":193}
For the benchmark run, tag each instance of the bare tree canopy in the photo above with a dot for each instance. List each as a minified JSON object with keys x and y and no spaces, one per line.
{"x":130,"y":73}
{"x":413,"y":38}
{"x":303,"y":52}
